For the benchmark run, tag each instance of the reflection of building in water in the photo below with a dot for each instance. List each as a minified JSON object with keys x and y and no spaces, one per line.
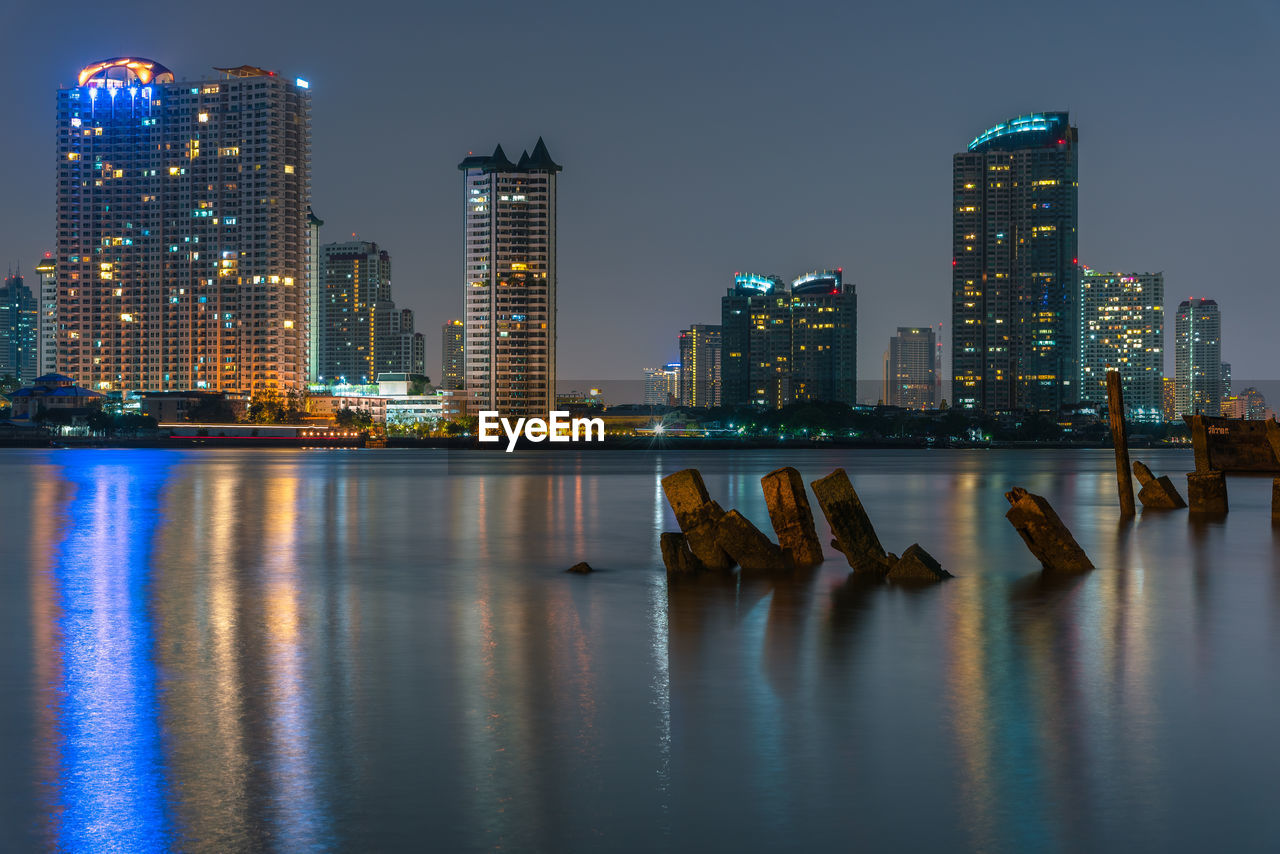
{"x":515,"y":631}
{"x":106,"y":771}
{"x":1031,"y":664}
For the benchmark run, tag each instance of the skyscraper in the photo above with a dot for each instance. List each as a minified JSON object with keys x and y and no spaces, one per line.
{"x":397,"y":348}
{"x":700,"y":360}
{"x":47,"y":270}
{"x":182,"y":255}
{"x":314,"y":298}
{"x":1197,"y":358}
{"x":783,"y":344}
{"x":452,"y":364}
{"x":1015,"y":304}
{"x":1122,"y":327}
{"x":754,"y":324}
{"x":509,"y":226}
{"x":19,"y":330}
{"x":355,"y":277}
{"x":824,"y":338}
{"x":910,"y":371}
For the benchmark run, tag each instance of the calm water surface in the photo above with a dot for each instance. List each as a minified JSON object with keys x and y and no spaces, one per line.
{"x":379,"y":651}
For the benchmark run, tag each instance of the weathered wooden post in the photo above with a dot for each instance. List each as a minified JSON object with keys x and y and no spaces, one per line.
{"x":1044,"y":533}
{"x":790,"y":515}
{"x":1157,"y":493}
{"x":1275,"y":500}
{"x":1124,"y":478}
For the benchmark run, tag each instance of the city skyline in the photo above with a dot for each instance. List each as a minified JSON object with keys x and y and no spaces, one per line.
{"x":1137,"y":134}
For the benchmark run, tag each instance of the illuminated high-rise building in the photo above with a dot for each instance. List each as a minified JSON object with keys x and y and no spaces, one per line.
{"x":355,"y":277}
{"x":19,"y":330}
{"x":47,"y":293}
{"x":1015,"y":302}
{"x":452,"y":364}
{"x":182,"y":254}
{"x":782,"y":345}
{"x":910,"y":370}
{"x":314,"y":297}
{"x":662,"y":385}
{"x":1197,"y":358}
{"x":700,"y":360}
{"x":1122,"y":327}
{"x":1169,"y":398}
{"x":397,"y":348}
{"x":509,"y":227}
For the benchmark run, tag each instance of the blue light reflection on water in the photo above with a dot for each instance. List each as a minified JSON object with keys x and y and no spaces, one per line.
{"x":110,"y":787}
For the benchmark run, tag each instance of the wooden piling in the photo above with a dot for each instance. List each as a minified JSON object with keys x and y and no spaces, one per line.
{"x":1124,"y":478}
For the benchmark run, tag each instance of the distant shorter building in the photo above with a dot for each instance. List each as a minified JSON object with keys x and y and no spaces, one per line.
{"x":1226,"y":379}
{"x":700,"y":360}
{"x":1249,"y":405}
{"x":662,"y":385}
{"x":52,"y":393}
{"x":910,"y":371}
{"x":452,"y":365}
{"x":19,"y":331}
{"x":47,"y":335}
{"x":168,"y":407}
{"x":1168,"y":399}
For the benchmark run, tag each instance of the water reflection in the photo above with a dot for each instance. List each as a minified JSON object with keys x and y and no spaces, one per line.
{"x":105,"y":776}
{"x":349,"y":651}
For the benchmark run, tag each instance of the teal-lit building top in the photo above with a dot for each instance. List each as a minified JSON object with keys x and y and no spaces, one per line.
{"x":1034,"y":130}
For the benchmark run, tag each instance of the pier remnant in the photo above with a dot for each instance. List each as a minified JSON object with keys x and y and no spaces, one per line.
{"x":748,"y":545}
{"x":677,"y":556}
{"x":1044,"y":533}
{"x":1115,"y":405}
{"x":581,"y":568}
{"x":1207,"y":492}
{"x":697,"y":516}
{"x":1157,"y":493}
{"x":1275,"y":500}
{"x":790,"y":515}
{"x":855,"y":536}
{"x":917,"y":565}
{"x":1199,"y":441}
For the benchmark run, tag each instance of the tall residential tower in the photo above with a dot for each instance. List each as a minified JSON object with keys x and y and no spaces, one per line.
{"x":509,"y":227}
{"x":910,"y":370}
{"x":1197,"y":358}
{"x":1122,"y":327}
{"x":182,"y":257}
{"x":1014,"y":283}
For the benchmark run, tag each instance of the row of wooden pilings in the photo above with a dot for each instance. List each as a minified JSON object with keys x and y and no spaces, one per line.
{"x":713,"y":539}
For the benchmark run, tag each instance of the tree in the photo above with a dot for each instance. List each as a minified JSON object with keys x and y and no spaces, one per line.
{"x":356,"y":418}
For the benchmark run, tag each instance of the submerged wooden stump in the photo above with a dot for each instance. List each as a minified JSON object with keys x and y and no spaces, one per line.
{"x":917,"y":566}
{"x":1207,"y":492}
{"x":678,"y":557}
{"x":1157,"y":493}
{"x":1044,"y":533}
{"x":854,"y":533}
{"x":749,"y":546}
{"x":697,"y":516}
{"x":790,"y":515}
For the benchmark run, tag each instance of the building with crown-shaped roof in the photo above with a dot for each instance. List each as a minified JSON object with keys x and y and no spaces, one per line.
{"x":509,"y":226}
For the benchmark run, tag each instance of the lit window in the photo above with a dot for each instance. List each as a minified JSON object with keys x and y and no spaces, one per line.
{"x":204,"y":117}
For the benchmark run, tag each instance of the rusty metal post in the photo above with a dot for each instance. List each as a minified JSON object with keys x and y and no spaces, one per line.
{"x":1124,"y":477}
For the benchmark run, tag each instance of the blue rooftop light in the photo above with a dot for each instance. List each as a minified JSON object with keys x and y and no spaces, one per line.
{"x":1034,"y":122}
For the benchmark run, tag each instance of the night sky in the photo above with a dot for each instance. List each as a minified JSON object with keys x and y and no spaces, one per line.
{"x":700,"y":139}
